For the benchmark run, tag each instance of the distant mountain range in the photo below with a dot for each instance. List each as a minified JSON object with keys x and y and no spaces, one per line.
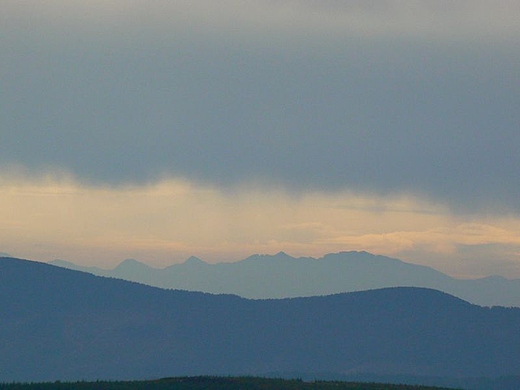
{"x":60,"y":324}
{"x":283,"y":276}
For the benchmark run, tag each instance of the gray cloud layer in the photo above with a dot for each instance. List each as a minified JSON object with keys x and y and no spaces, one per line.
{"x":387,"y":114}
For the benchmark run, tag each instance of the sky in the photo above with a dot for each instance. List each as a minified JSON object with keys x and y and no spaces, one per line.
{"x":165,"y":129}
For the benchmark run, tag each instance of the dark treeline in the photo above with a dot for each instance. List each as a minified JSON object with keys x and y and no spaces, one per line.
{"x":212,"y":383}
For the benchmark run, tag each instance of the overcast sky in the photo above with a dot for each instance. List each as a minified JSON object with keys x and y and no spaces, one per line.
{"x":159,"y":130}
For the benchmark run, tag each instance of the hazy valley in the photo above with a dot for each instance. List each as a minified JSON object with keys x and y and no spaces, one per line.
{"x":283,"y":276}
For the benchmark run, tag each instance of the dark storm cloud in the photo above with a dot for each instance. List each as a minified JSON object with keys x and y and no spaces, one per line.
{"x":378,"y":115}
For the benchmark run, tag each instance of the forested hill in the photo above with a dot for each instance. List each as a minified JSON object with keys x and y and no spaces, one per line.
{"x":59,"y":324}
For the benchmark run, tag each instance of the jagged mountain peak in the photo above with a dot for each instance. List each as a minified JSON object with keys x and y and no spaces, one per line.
{"x":263,"y":257}
{"x":193,"y":260}
{"x":131,"y":264}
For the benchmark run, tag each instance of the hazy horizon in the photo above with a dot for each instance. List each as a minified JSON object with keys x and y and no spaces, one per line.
{"x":114,"y":264}
{"x":158,"y":131}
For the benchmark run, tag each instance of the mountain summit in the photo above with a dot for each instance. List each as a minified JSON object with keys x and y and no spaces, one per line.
{"x":194,"y":261}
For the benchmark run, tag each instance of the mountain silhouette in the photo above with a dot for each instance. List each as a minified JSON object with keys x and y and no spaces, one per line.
{"x":283,"y":276}
{"x":61,"y":324}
